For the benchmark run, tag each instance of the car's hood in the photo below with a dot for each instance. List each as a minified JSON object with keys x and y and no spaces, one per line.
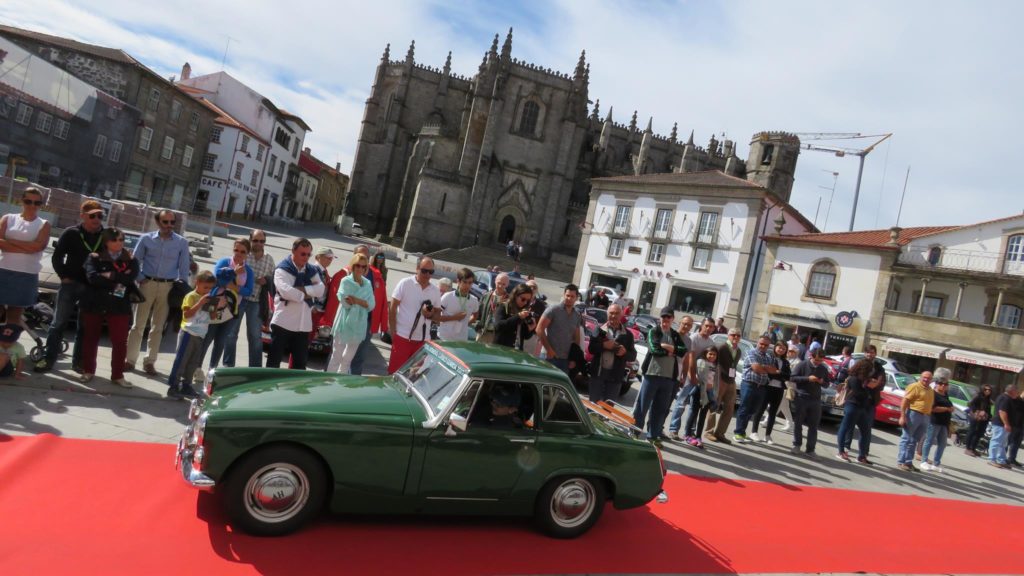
{"x":334,"y":394}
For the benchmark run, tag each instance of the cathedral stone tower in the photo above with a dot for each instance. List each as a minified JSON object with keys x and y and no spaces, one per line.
{"x":772,"y":161}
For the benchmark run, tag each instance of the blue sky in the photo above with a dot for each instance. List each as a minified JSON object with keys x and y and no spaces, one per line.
{"x":942,"y":76}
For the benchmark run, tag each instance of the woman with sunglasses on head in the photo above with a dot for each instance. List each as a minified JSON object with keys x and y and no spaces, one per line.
{"x":111,"y":273}
{"x":355,"y":302}
{"x":513,"y":320}
{"x":226,"y":321}
{"x":979,"y":412}
{"x":23,"y":238}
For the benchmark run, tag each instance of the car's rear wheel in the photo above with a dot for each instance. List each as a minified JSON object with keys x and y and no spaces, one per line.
{"x":569,"y":506}
{"x":275,"y":490}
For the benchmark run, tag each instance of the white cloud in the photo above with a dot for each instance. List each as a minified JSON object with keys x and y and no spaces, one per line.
{"x":942,"y":76}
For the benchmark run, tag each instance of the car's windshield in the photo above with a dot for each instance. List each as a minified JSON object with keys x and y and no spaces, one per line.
{"x":958,"y":392}
{"x":901,"y":380}
{"x":433,"y":381}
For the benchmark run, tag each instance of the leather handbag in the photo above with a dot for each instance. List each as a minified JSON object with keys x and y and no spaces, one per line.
{"x":841,"y":394}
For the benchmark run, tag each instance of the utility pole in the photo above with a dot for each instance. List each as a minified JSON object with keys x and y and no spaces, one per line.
{"x":841,"y":152}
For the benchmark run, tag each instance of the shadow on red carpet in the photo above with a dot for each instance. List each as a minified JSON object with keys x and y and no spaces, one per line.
{"x":89,"y":507}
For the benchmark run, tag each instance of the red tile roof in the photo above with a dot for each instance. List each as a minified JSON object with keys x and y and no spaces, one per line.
{"x":713,"y":178}
{"x":863,"y":238}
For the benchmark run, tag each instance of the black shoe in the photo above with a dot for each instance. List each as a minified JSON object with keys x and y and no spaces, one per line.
{"x":174,"y":392}
{"x":188,"y":393}
{"x":43,"y":366}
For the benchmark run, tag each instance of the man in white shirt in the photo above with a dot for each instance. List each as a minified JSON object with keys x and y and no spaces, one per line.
{"x":414,"y":303}
{"x":298,"y":286}
{"x":458,"y":308}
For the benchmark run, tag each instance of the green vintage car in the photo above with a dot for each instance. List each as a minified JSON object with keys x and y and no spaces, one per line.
{"x":463,"y":428}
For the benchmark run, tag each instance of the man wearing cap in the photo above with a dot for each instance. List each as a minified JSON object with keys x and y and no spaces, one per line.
{"x":665,"y":349}
{"x":69,"y":256}
{"x":163,"y":260}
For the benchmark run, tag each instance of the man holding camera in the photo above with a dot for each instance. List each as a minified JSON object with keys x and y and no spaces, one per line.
{"x":612,"y":347}
{"x":412,"y":309}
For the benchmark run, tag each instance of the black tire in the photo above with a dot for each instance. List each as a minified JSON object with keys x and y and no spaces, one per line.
{"x":37,"y":353}
{"x":63,"y":346}
{"x":288,"y":470}
{"x":569,"y":506}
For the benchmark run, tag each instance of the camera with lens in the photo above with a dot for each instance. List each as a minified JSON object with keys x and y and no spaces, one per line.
{"x":427,"y":306}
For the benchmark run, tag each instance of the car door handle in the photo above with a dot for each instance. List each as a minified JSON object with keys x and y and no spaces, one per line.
{"x":523,"y":440}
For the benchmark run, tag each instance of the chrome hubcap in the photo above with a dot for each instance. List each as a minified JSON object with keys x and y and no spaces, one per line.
{"x":572,"y":502}
{"x":276,"y":492}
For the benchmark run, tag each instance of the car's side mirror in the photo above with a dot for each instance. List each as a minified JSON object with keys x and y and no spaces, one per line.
{"x":458,"y":423}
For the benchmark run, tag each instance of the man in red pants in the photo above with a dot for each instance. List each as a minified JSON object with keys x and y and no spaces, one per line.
{"x":414,"y":303}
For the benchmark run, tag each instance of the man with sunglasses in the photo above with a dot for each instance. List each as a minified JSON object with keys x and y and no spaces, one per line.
{"x":163,"y":260}
{"x":297,"y":285}
{"x":414,"y":303}
{"x":69,"y":256}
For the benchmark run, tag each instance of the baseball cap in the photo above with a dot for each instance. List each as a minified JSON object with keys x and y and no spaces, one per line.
{"x":325,"y":251}
{"x":9,"y":333}
{"x":667,"y":311}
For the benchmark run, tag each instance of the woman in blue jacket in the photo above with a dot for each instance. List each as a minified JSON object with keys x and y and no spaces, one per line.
{"x":235,"y":280}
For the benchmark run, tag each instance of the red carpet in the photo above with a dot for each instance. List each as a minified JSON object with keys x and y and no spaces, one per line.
{"x":86,"y":507}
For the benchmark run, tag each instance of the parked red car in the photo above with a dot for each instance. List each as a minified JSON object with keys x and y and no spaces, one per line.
{"x":888,"y":410}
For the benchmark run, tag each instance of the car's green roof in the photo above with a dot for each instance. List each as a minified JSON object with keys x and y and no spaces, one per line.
{"x":495,"y":359}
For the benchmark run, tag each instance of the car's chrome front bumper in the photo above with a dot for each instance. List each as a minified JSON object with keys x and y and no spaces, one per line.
{"x":183,"y":456}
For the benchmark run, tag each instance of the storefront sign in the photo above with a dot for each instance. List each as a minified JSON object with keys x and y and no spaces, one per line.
{"x":844,"y":319}
{"x":1008,"y":364}
{"x":211,"y":183}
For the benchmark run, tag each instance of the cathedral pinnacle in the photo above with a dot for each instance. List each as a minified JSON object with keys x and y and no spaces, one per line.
{"x":608,"y":118}
{"x":581,"y":66}
{"x":410,"y":55}
{"x":650,"y":122}
{"x":675,"y":132}
{"x":506,"y":48}
{"x":494,"y":46}
{"x":597,"y":109}
{"x":387,"y":54}
{"x":632,"y":123}
{"x":690,"y":141}
{"x":448,"y":64}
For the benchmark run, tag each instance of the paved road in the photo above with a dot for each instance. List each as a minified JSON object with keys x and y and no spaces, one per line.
{"x":55,"y":403}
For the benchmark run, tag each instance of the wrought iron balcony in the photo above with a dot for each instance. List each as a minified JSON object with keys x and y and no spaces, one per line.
{"x":937,"y":257}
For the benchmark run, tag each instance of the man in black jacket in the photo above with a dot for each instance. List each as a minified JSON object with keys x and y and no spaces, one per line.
{"x":611,"y":348}
{"x":809,"y":376}
{"x":73,"y":248}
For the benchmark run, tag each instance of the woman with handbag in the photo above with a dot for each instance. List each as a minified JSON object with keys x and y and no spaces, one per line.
{"x":111,"y":274}
{"x":513,"y":320}
{"x":224,"y":325}
{"x":979,"y":412}
{"x":863,"y":392}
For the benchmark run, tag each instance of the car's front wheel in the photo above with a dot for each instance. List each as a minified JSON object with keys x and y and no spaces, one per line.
{"x":568,"y":507}
{"x":275,"y":490}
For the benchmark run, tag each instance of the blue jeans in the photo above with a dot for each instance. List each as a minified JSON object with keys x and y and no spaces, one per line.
{"x":216,"y":336}
{"x":861,"y":418}
{"x":356,"y":367}
{"x":67,"y":298}
{"x":251,"y":310}
{"x":682,"y":399}
{"x":935,"y":436}
{"x":997,"y":446}
{"x":1014,"y":444}
{"x":751,"y":398}
{"x":913,"y":432}
{"x":654,"y":401}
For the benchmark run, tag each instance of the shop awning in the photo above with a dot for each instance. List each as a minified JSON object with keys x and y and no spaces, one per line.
{"x":913,"y":348}
{"x":998,"y":362}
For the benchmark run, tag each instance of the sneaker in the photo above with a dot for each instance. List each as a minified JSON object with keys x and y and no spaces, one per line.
{"x":812,"y":455}
{"x":937,"y":468}
{"x":674,"y":436}
{"x":122,"y":382}
{"x":997,"y":464}
{"x":85,"y":378}
{"x":971,"y":453}
{"x":754,"y":437}
{"x":865,"y":461}
{"x":42,"y":366}
{"x":905,"y":467}
{"x":739,"y":438}
{"x":149,"y":368}
{"x":843,"y":456}
{"x":697,"y":443}
{"x":188,"y":393}
{"x":768,"y":441}
{"x":693,"y":441}
{"x":926,"y":467}
{"x":129,"y":366}
{"x":795,"y":450}
{"x":173,"y":392}
{"x":710,"y":437}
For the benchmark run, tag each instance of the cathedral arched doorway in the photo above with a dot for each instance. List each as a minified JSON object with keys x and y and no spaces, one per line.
{"x":507,"y":231}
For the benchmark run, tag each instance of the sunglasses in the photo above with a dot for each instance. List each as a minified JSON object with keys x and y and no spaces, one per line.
{"x":28,"y":202}
{"x":427,"y":270}
{"x":354,"y":266}
{"x":304,"y":254}
{"x":167,"y":222}
{"x":94,"y":216}
{"x":255,"y":241}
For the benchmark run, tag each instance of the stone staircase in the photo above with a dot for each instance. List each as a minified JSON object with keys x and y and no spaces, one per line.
{"x":479,"y":257}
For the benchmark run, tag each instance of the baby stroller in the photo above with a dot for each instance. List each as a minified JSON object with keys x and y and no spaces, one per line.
{"x":34,"y":320}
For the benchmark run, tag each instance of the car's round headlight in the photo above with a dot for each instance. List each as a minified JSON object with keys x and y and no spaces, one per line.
{"x":323,"y":331}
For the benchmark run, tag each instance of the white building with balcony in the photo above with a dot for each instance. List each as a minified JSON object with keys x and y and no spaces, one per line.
{"x":685,"y":240}
{"x":948,"y":296}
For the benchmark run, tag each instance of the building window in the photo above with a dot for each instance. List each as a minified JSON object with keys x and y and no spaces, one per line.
{"x":168,"y":149}
{"x":932,"y":306}
{"x":701,"y":258}
{"x":186,"y":156}
{"x":1015,"y":248}
{"x":280,"y":171}
{"x":115,"y":151}
{"x":656,"y":254}
{"x":44,"y":122}
{"x":245,"y":143}
{"x":662,"y":222}
{"x":528,"y":120}
{"x":193,"y":123}
{"x":62,"y":129}
{"x":259,"y":152}
{"x":822,"y":280}
{"x":154,"y":100}
{"x":707,"y":230}
{"x":254,"y":177}
{"x":24,"y":114}
{"x":100,"y":148}
{"x":934,"y":255}
{"x":615,"y":248}
{"x":767,"y":153}
{"x":894,"y":299}
{"x":145,"y":138}
{"x":208,"y":162}
{"x":273,"y":163}
{"x":295,"y":148}
{"x":215,"y":133}
{"x":622,"y":217}
{"x":1009,"y":316}
{"x":238,"y":170}
{"x":175,"y":110}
